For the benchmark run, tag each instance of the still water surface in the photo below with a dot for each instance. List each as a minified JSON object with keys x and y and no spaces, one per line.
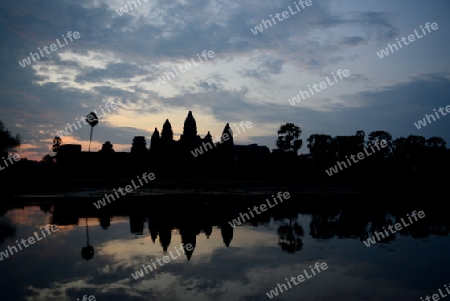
{"x":226,"y":263}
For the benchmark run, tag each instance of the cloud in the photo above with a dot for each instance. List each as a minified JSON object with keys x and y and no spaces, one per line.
{"x":353,"y":41}
{"x":112,"y":71}
{"x":118,"y":57}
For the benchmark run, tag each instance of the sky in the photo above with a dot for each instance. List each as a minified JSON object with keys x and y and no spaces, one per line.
{"x":119,"y":56}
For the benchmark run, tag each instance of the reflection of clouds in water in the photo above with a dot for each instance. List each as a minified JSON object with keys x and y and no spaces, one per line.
{"x":252,"y":265}
{"x":21,"y":223}
{"x":28,"y":216}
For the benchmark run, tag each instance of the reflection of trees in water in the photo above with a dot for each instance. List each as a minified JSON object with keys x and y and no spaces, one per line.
{"x":289,"y":237}
{"x":352,"y":223}
{"x":438,"y":225}
{"x":347,"y":221}
{"x":323,"y":226}
{"x":380,"y":223}
{"x":88,"y":251}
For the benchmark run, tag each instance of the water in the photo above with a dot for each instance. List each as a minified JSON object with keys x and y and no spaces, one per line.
{"x":401,"y":267}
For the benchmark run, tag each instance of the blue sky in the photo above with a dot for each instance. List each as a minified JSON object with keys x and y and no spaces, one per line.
{"x":250,"y":78}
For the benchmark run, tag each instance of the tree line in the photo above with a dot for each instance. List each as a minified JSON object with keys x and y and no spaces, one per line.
{"x":405,"y":156}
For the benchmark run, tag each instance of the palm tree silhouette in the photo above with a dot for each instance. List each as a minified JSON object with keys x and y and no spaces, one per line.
{"x":92,"y":119}
{"x":56,"y":143}
{"x":88,"y":251}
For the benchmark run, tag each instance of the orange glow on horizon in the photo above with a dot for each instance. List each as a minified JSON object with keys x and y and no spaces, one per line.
{"x":27,"y":151}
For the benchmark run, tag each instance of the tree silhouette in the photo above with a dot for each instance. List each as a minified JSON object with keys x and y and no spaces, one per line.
{"x":400,"y":148}
{"x":56,"y":143}
{"x":436,"y":155}
{"x":411,"y":152}
{"x":7,"y":141}
{"x":416,"y":146}
{"x":288,"y":138}
{"x":436,"y":142}
{"x":348,"y":145}
{"x":92,"y":119}
{"x":321,"y":147}
{"x":380,"y":136}
{"x":361,"y":134}
{"x":47,"y":160}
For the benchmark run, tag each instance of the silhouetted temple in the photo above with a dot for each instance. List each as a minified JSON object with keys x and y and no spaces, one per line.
{"x":191,"y":154}
{"x":193,"y":157}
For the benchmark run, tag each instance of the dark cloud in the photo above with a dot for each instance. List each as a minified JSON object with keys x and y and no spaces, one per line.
{"x":353,"y":41}
{"x":379,"y":24}
{"x":120,"y":71}
{"x":119,"y":57}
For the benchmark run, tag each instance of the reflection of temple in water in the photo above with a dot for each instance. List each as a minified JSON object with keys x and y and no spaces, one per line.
{"x":137,"y":224}
{"x":160,"y":227}
{"x":227,"y":233}
{"x":352,"y":222}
